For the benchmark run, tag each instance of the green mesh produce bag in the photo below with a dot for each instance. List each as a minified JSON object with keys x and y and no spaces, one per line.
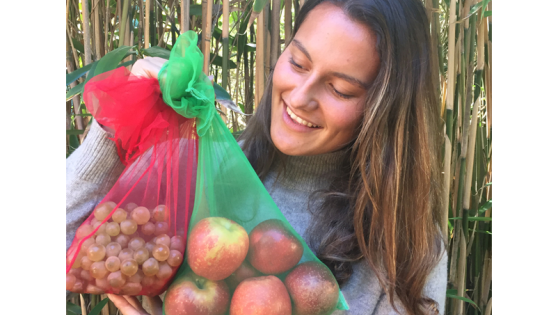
{"x":228,"y":187}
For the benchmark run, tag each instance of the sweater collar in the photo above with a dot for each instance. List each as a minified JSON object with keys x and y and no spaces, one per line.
{"x":307,"y":173}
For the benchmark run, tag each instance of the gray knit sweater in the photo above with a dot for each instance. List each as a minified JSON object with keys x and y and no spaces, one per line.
{"x":94,"y":167}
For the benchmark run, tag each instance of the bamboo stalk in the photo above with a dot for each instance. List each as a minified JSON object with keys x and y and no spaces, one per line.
{"x":267,"y":41}
{"x":301,"y":3}
{"x":68,"y":34}
{"x":123,"y":23}
{"x":225,"y":39}
{"x":185,"y":13}
{"x":82,"y":302}
{"x":98,"y":29}
{"x":107,"y":19}
{"x":86,"y":32}
{"x":288,"y":20}
{"x":75,"y":99}
{"x":488,"y":309}
{"x":207,"y":14}
{"x":275,"y":28}
{"x":140,"y":24}
{"x":105,"y":310}
{"x":451,"y":70}
{"x":147,"y":23}
{"x":447,"y":181}
{"x":461,"y":274}
{"x":260,"y":50}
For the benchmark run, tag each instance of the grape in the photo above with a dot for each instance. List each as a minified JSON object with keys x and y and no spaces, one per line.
{"x":161,"y":252}
{"x":116,"y":279}
{"x":123,"y":240}
{"x":136,"y":243}
{"x":128,"y":227}
{"x":75,"y":272}
{"x":147,"y":281}
{"x":148,"y":228}
{"x":103,"y":239}
{"x":85,"y":245}
{"x":141,"y":215}
{"x":119,"y":215}
{"x":141,"y":255}
{"x":113,"y":249}
{"x":86,"y":263}
{"x":84,"y":230}
{"x":86,"y":275}
{"x":137,"y":277}
{"x":131,"y":289}
{"x":149,"y":246}
{"x":77,"y":261}
{"x":162,"y":239}
{"x":165,"y":271}
{"x":130,"y":206}
{"x":161,"y":228}
{"x":129,"y":267}
{"x":175,"y":258}
{"x":102,"y":211}
{"x":94,"y":289}
{"x":160,"y":213}
{"x":112,"y":229}
{"x":102,"y":283}
{"x":78,"y":286}
{"x":176,"y":243}
{"x":101,"y":229}
{"x":98,"y":270}
{"x":112,"y":264}
{"x":70,"y":281}
{"x":150,"y":267}
{"x":126,"y":254}
{"x":96,"y":252}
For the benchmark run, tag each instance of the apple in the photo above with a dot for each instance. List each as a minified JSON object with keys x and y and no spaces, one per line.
{"x":264,"y":295}
{"x":312,"y":288}
{"x":216,"y":247}
{"x":196,"y":295}
{"x":273,"y":248}
{"x":243,"y":272}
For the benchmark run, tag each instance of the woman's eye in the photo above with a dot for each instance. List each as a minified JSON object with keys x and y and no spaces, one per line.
{"x":345,"y":96}
{"x":294,"y":63}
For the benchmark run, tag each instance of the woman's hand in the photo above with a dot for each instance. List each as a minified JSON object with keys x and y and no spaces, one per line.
{"x":148,"y":67}
{"x":129,"y":305}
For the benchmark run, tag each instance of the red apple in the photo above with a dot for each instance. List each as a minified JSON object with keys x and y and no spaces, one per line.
{"x":243,"y":272}
{"x":265,"y":295}
{"x":312,"y":288}
{"x":216,"y":247}
{"x":195,"y":295}
{"x":273,"y":248}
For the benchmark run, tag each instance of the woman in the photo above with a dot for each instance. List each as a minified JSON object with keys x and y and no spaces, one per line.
{"x":345,"y":140}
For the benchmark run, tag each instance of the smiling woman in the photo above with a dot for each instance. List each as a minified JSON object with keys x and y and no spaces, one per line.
{"x":350,"y":116}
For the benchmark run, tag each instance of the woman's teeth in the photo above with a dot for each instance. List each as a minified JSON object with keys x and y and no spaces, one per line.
{"x":300,"y":120}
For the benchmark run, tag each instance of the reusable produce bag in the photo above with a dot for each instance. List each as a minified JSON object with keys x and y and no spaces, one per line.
{"x":236,"y":230}
{"x":134,"y":241}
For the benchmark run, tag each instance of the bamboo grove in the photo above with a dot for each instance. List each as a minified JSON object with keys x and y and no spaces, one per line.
{"x":240,"y":46}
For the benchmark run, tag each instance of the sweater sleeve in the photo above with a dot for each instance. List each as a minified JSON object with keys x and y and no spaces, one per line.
{"x":91,"y":171}
{"x":435,"y":289}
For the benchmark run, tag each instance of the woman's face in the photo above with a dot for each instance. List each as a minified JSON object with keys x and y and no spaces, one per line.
{"x":320,"y":83}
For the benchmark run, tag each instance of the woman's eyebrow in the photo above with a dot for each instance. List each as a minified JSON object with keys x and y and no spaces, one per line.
{"x":301,"y":48}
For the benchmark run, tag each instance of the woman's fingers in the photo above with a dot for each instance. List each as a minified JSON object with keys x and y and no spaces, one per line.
{"x":134,"y":302}
{"x":155,"y":304}
{"x":124,"y":305}
{"x":148,"y":67}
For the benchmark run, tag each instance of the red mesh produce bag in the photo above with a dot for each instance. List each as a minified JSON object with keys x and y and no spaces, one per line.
{"x":134,"y":241}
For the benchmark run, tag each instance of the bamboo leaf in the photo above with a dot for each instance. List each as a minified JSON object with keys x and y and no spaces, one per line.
{"x":473,"y":218}
{"x":97,"y":309}
{"x":481,"y":231}
{"x":75,"y":91}
{"x":453,"y":296}
{"x":71,"y":77}
{"x":451,"y":291}
{"x":487,"y":205}
{"x":220,"y":92}
{"x":111,"y":60}
{"x":218,"y":61}
{"x":72,"y":309}
{"x":77,"y":45}
{"x":74,"y":132}
{"x":156,"y":51}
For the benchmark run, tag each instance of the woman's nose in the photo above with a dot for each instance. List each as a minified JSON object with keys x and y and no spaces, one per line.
{"x":305,"y":95}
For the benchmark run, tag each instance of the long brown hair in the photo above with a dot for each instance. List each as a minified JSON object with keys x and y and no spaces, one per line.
{"x":384,"y":204}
